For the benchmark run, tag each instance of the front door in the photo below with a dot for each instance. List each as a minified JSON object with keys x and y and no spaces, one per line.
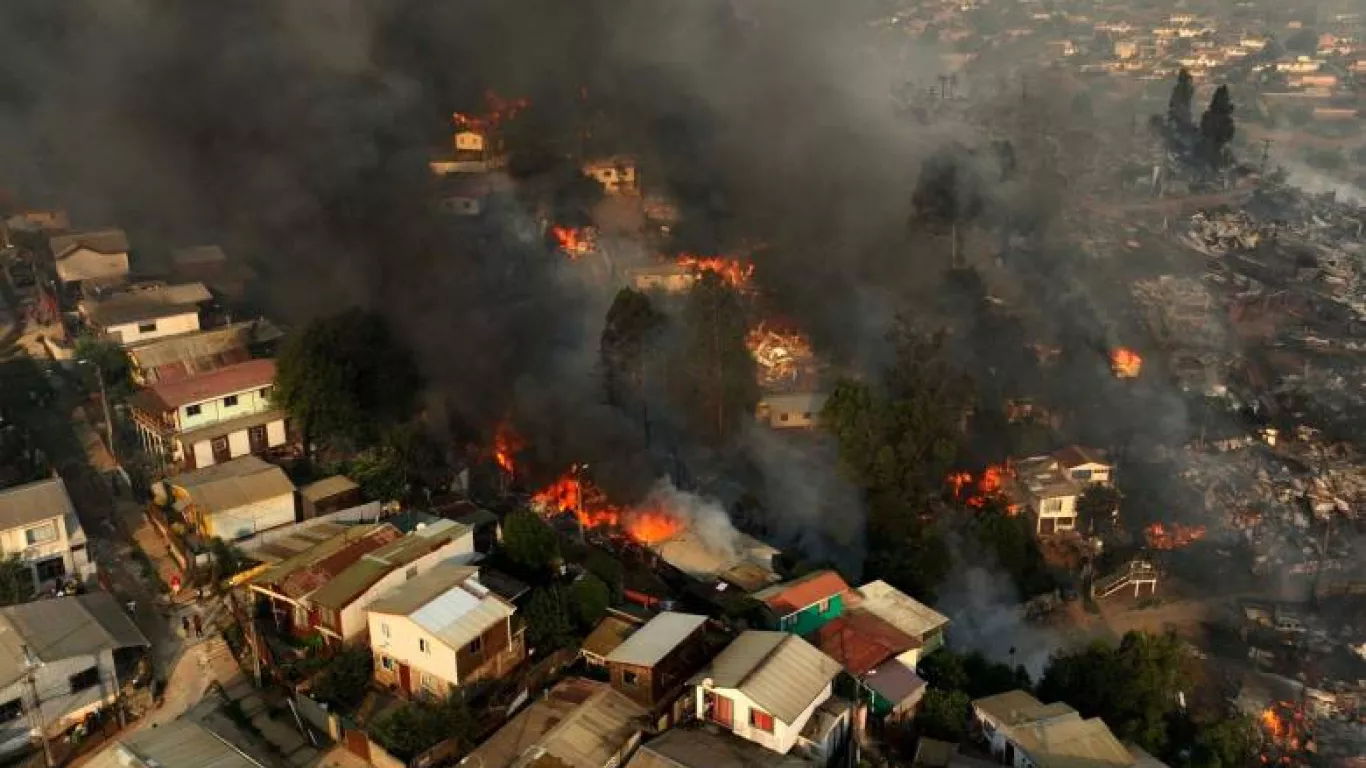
{"x":722,"y":709}
{"x":220,"y":450}
{"x":257,"y":437}
{"x":405,"y":678}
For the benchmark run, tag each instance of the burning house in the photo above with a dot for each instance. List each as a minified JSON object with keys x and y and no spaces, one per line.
{"x":791,"y":378}
{"x":616,"y":174}
{"x":1047,"y":491}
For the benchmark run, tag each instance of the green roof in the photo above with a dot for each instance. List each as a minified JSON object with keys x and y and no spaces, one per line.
{"x":339,"y":592}
{"x":361,"y":575}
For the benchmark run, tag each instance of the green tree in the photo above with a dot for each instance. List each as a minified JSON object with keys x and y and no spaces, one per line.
{"x":16,"y":581}
{"x":943,"y":715}
{"x":346,"y":679}
{"x":547,"y":620}
{"x":528,"y":542}
{"x":1229,"y":742}
{"x":714,"y":373}
{"x":1132,"y":686}
{"x":228,"y":560}
{"x":589,"y":597}
{"x":1096,"y":507}
{"x":346,"y":377}
{"x":416,"y":727}
{"x":111,"y":361}
{"x":607,"y":568}
{"x":1216,"y":126}
{"x":1016,"y":550}
{"x":633,"y":324}
{"x":973,"y":674}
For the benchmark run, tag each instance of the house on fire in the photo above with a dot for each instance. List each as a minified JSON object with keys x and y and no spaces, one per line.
{"x":145,"y":312}
{"x":211,"y":418}
{"x":89,"y":258}
{"x":77,"y":650}
{"x":654,"y":663}
{"x":805,"y":604}
{"x":1047,"y":492}
{"x":442,"y":630}
{"x":776,"y":690}
{"x":326,"y":588}
{"x":1022,"y":732}
{"x":233,"y":500}
{"x":577,"y":724}
{"x":39,"y":526}
{"x":617,"y":175}
{"x":1086,"y":466}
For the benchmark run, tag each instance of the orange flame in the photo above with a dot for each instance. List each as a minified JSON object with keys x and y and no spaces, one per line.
{"x":506,"y":444}
{"x":732,"y":272}
{"x":989,"y":487}
{"x":496,"y":110}
{"x":1177,"y":536}
{"x":572,"y":494}
{"x":573,"y":242}
{"x":1125,"y":363}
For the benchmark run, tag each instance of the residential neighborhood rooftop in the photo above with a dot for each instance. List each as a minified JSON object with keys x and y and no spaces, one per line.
{"x":899,"y":609}
{"x":702,"y":745}
{"x":228,"y":380}
{"x":62,"y":627}
{"x":181,"y":743}
{"x":234,"y":483}
{"x":98,"y":240}
{"x":792,"y":596}
{"x":654,"y":641}
{"x":34,"y":502}
{"x":328,"y":487}
{"x":144,"y":303}
{"x":307,"y":572}
{"x":608,"y":635}
{"x":781,"y":672}
{"x":578,"y":723}
{"x":448,"y":601}
{"x":372,"y":566}
{"x":860,"y":641}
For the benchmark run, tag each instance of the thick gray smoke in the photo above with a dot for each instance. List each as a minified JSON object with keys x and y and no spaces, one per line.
{"x":703,"y":515}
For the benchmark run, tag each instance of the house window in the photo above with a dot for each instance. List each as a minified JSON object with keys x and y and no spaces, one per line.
{"x":423,"y":646}
{"x":1052,"y":506}
{"x":84,"y":679}
{"x":10,"y":710}
{"x":41,"y":534}
{"x":193,"y":410}
{"x":266,"y":392}
{"x":1081,"y":474}
{"x":147,"y":327}
{"x":823,"y":606}
{"x":230,"y":401}
{"x":782,"y":416}
{"x":430,"y":683}
{"x":387,"y":663}
{"x":476,"y":645}
{"x":630,"y":678}
{"x":50,"y":569}
{"x":1067,"y":523}
{"x":761,"y":720}
{"x":384,"y":629}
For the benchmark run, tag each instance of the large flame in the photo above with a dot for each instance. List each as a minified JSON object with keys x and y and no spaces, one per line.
{"x":1173,"y":536}
{"x":988,"y":487}
{"x":574,"y":242}
{"x":733,"y":272}
{"x":1125,"y":363}
{"x":506,"y":444}
{"x":572,"y":494}
{"x":783,"y":355}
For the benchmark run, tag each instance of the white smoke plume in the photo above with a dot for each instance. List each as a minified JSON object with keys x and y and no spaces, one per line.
{"x":702,"y":515}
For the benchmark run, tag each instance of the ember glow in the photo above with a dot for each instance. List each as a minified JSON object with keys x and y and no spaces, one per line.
{"x":572,"y":494}
{"x":783,"y":355}
{"x":1173,"y":535}
{"x":1287,"y":736}
{"x":574,"y":242}
{"x":1125,"y":363}
{"x":497,"y":110}
{"x":987,"y":487}
{"x":506,"y":444}
{"x":733,"y":272}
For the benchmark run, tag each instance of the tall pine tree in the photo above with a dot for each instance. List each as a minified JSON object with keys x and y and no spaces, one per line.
{"x":1217,"y":128}
{"x":1179,"y":115}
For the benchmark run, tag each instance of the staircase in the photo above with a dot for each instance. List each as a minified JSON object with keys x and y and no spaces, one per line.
{"x":1136,"y":573}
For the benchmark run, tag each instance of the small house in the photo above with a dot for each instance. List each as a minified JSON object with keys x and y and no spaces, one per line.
{"x":1022,"y":732}
{"x":805,"y":604}
{"x":328,"y":495}
{"x":605,"y":638}
{"x":89,"y":258}
{"x":1086,"y":466}
{"x":654,"y":663}
{"x":38,"y":525}
{"x":145,"y":312}
{"x":908,"y":615}
{"x":233,"y":500}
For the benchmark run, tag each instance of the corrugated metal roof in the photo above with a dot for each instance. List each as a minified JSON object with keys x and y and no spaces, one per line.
{"x":228,"y":380}
{"x":448,"y":601}
{"x":62,"y":627}
{"x":145,"y":303}
{"x":594,"y":732}
{"x":689,"y":553}
{"x":235,"y":483}
{"x":607,"y":636}
{"x":415,"y":593}
{"x":703,"y":746}
{"x":197,"y":345}
{"x":328,"y":487}
{"x":860,"y":641}
{"x":652,"y":642}
{"x":1017,"y":707}
{"x":781,"y":673}
{"x":900,"y":609}
{"x":315,"y":550}
{"x":98,"y":240}
{"x":1071,"y":743}
{"x":180,"y":743}
{"x":792,"y":596}
{"x":359,"y":577}
{"x":34,"y":502}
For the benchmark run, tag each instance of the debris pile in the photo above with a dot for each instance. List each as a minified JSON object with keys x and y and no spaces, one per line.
{"x":785,"y":359}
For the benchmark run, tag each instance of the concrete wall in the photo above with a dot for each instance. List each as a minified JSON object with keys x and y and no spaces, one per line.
{"x":129,"y":333}
{"x":60,"y":707}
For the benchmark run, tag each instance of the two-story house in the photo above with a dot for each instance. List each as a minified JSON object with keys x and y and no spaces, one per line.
{"x":89,"y":258}
{"x":442,"y":630}
{"x":653,"y":665}
{"x":1086,"y":466}
{"x":765,"y":687}
{"x":145,"y":312}
{"x":38,"y":525}
{"x":1022,"y":732}
{"x":233,"y":500}
{"x":211,"y":418}
{"x":1048,"y":493}
{"x":805,"y":604}
{"x":77,"y":649}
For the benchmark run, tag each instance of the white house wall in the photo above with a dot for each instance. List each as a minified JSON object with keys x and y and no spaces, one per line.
{"x":239,"y":444}
{"x":14,"y":542}
{"x":401,"y":644}
{"x":203,"y":454}
{"x":60,"y":707}
{"x":244,"y":521}
{"x":784,"y":735}
{"x":275,"y":433}
{"x":130,"y":333}
{"x":353,"y":616}
{"x":215,"y":411}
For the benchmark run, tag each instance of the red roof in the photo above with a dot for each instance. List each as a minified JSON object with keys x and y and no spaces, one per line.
{"x":307,"y":580}
{"x":239,"y":377}
{"x":861,"y":641}
{"x":786,"y":599}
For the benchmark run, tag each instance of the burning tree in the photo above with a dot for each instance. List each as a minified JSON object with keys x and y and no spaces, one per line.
{"x":574,"y":242}
{"x":733,"y":272}
{"x":1287,"y":735}
{"x":988,"y":487}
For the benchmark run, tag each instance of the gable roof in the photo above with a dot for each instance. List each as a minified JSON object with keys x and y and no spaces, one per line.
{"x":188,"y":354}
{"x":305,"y":573}
{"x":792,"y":596}
{"x":228,"y":380}
{"x":181,"y":743}
{"x":1077,"y":455}
{"x":1071,"y":742}
{"x":578,"y":723}
{"x":61,"y":628}
{"x":328,"y":487}
{"x":448,"y":602}
{"x":657,"y":639}
{"x":34,"y":502}
{"x":147,"y":302}
{"x":357,"y":578}
{"x":900,"y":609}
{"x":1018,"y":707}
{"x":860,"y":641}
{"x":233,"y":484}
{"x":608,"y":635}
{"x":198,"y":254}
{"x":106,"y":241}
{"x":781,"y":673}
{"x":700,"y":746}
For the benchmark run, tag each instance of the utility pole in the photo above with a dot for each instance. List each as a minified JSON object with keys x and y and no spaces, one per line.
{"x":35,"y":712}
